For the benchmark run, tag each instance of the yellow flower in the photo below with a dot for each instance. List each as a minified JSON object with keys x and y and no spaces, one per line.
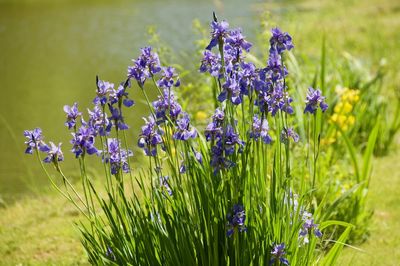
{"x":327,"y":141}
{"x":200,"y":116}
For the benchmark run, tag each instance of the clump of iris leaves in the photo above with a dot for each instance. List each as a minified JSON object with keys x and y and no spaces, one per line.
{"x":220,"y":195}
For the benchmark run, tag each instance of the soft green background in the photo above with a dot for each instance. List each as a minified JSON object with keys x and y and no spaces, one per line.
{"x":51,"y":52}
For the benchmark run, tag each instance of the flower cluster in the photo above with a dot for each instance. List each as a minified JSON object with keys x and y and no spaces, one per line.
{"x":184,"y":130}
{"x":313,"y":100}
{"x":168,"y":78}
{"x":224,"y":139}
{"x":236,"y":220}
{"x":308,"y":227}
{"x":103,"y":89}
{"x":239,"y":78}
{"x":150,"y":137}
{"x":83,"y":141}
{"x":342,"y":112}
{"x":54,"y":153}
{"x":72,"y":115}
{"x":165,"y":185}
{"x":35,"y":142}
{"x":116,"y":156}
{"x":288,"y":133}
{"x":166,"y":107}
{"x":278,"y":253}
{"x":145,"y":66}
{"x":260,"y":128}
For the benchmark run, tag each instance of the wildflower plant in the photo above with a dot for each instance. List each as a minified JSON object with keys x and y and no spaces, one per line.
{"x":219,"y":195}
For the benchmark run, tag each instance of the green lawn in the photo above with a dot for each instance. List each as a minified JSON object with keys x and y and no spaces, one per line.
{"x":382,"y":246}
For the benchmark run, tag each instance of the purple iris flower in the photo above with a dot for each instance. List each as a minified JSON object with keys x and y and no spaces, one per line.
{"x":308,"y":227}
{"x":260,"y":129}
{"x":99,"y":121}
{"x":219,"y":30}
{"x":120,"y":95}
{"x":198,"y":156}
{"x":247,"y":77}
{"x":226,"y":141}
{"x":231,"y":138}
{"x":214,"y":129}
{"x":275,"y":70}
{"x":184,"y":130}
{"x":313,"y":100}
{"x":278,"y":253}
{"x":166,"y":107}
{"x":72,"y":115}
{"x":150,"y":137}
{"x":211,"y":63}
{"x":103,"y":88}
{"x":117,"y":118}
{"x":54,"y":153}
{"x":168,"y":78}
{"x":35,"y":140}
{"x":280,"y":41}
{"x":117,"y":157}
{"x":165,"y":184}
{"x":236,"y":219}
{"x":83,"y":141}
{"x":235,"y":44}
{"x":145,"y":66}
{"x":218,"y":159}
{"x":289,"y":133}
{"x":231,"y":90}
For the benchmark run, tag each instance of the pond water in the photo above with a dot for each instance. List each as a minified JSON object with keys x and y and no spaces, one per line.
{"x":50,"y":52}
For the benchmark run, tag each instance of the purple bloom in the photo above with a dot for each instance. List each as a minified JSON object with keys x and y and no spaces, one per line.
{"x":219,"y":30}
{"x":214,"y":129}
{"x":116,"y":156}
{"x":103,"y":88}
{"x":231,"y":138}
{"x":211,"y":63}
{"x":289,"y":133}
{"x":278,"y":253}
{"x":99,"y":121}
{"x":72,"y":115}
{"x":198,"y":156}
{"x":235,"y":44}
{"x":236,"y":220}
{"x":150,"y":137}
{"x":54,"y":153}
{"x":165,"y":184}
{"x":231,"y":90}
{"x":280,"y":41}
{"x":117,"y":118}
{"x":218,"y":159}
{"x":166,"y":107}
{"x":35,"y":140}
{"x":110,"y":254}
{"x":121,"y":96}
{"x":260,"y":129}
{"x":145,"y":66}
{"x":313,"y":100}
{"x":247,"y":77}
{"x":308,"y":227}
{"x":225,"y":146}
{"x":168,"y":77}
{"x":83,"y":141}
{"x":184,"y":130}
{"x":275,"y":70}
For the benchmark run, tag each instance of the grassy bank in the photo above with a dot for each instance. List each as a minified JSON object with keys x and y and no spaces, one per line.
{"x":40,"y":231}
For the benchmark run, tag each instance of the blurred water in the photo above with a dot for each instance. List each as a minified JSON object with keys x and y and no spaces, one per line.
{"x":50,"y":52}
